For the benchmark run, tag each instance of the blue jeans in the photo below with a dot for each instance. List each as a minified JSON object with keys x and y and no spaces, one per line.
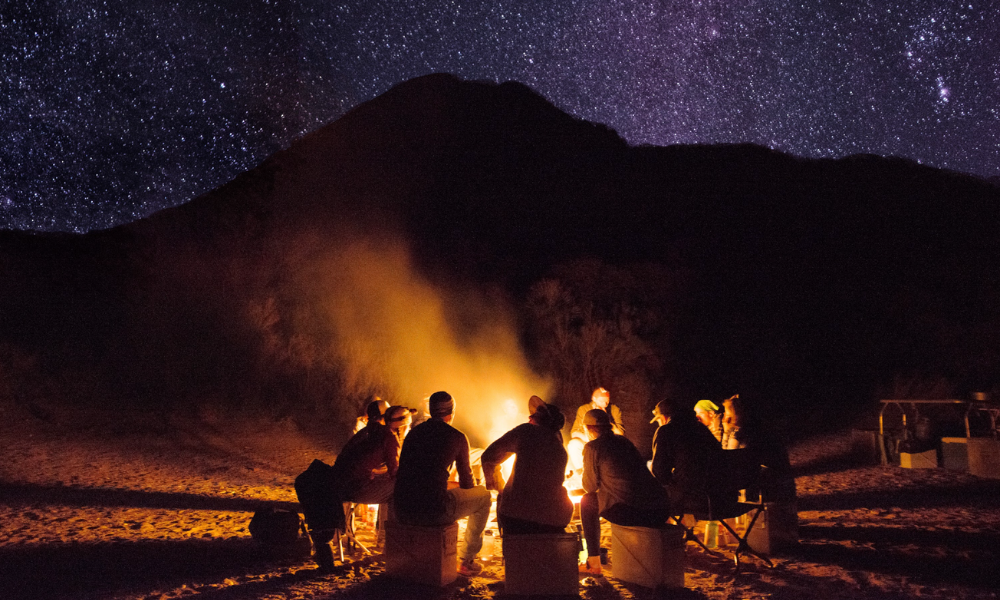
{"x":473,"y":503}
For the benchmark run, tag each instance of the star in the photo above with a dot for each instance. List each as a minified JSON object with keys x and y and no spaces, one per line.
{"x":114,"y":110}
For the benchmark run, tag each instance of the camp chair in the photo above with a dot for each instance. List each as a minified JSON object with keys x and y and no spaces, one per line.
{"x":739,"y":471}
{"x":348,"y":532}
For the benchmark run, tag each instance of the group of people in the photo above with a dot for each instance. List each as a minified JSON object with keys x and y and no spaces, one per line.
{"x":415,"y":479}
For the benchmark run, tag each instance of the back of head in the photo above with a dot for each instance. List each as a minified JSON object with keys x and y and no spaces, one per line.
{"x":598,"y":419}
{"x":398,"y":414}
{"x":376,"y":408}
{"x":441,"y":404}
{"x":546,"y":415}
{"x":663,"y":408}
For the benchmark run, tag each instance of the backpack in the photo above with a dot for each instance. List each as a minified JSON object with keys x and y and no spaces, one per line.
{"x":275,"y":526}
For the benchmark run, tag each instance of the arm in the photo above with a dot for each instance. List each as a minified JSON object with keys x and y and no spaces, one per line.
{"x":578,"y":431}
{"x":494,"y":455}
{"x":463,"y":464}
{"x":591,"y":478}
{"x":616,"y":419}
{"x":663,"y":459}
{"x":390,"y":452}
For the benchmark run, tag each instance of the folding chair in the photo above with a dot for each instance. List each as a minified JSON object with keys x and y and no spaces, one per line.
{"x":690,"y":535}
{"x":348,"y":532}
{"x":721,"y":511}
{"x":740,"y":471}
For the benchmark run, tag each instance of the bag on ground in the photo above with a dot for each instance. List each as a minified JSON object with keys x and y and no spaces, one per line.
{"x":275,"y":526}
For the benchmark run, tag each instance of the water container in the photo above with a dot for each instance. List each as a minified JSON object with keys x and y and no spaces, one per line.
{"x":712,"y":534}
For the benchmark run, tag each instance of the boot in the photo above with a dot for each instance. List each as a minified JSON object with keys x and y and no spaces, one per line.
{"x":322,"y":550}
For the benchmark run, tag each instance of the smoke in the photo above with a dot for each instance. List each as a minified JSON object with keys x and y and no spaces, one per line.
{"x":399,"y":336}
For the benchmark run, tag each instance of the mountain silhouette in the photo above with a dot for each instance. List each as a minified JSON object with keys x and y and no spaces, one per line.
{"x":812,"y":282}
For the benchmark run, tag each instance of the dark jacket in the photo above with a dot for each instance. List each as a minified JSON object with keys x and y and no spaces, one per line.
{"x":686,"y":456}
{"x":421,"y":490}
{"x":373,"y":448}
{"x":613,"y":467}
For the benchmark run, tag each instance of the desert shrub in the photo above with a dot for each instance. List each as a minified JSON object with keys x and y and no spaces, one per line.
{"x":592,"y":324}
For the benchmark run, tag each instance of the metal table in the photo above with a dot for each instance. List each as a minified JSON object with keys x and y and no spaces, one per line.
{"x":991,"y":409}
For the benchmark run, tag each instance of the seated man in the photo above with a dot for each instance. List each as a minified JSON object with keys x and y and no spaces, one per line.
{"x":619,"y":487}
{"x":365,"y":470}
{"x":707,"y":413}
{"x":686,"y":456}
{"x":374,"y":409}
{"x":599,"y":399}
{"x":422,"y":494}
{"x":534,"y":500}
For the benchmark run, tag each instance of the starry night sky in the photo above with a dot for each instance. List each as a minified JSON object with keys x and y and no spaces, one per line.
{"x":113,"y":110}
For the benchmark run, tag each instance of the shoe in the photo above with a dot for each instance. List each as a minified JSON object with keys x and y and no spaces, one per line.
{"x":468,"y":568}
{"x":592,"y":566}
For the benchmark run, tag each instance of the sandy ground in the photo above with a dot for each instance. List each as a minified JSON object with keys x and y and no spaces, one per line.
{"x":159,"y":508}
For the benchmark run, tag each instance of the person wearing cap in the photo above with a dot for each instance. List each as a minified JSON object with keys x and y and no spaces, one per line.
{"x":422,"y":494}
{"x":618,"y":486}
{"x":599,"y":399}
{"x":374,"y":409}
{"x":708,"y":415}
{"x":686,"y":457}
{"x":366,"y":467}
{"x":534,"y":500}
{"x":399,"y":419}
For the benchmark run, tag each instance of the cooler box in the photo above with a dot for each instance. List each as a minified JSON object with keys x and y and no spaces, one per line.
{"x":920,"y":460}
{"x":955,"y":453}
{"x":427,"y":555}
{"x":776,"y":528}
{"x":541,"y":564}
{"x":648,"y":557}
{"x":984,"y":457}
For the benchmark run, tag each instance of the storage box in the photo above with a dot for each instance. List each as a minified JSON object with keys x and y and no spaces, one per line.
{"x":776,"y":528}
{"x":427,"y":555}
{"x":984,"y":457}
{"x":541,"y":564}
{"x":648,"y":557}
{"x":920,"y":460}
{"x":955,"y":453}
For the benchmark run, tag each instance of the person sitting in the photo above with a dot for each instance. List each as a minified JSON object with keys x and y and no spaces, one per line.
{"x":618,"y":487}
{"x":686,"y":457}
{"x":707,"y":413}
{"x":399,"y":420}
{"x":534,"y":500}
{"x":422,"y":494}
{"x":365,"y":469}
{"x":374,"y":409}
{"x":732,"y":419}
{"x":599,"y":399}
